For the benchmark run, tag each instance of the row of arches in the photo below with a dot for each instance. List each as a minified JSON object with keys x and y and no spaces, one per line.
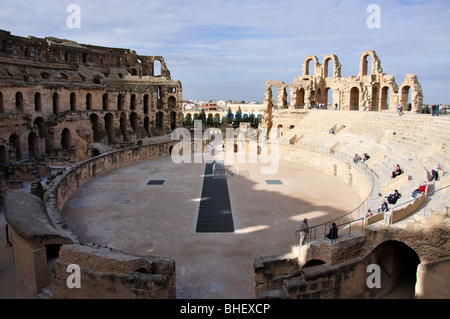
{"x":88,"y":103}
{"x":105,"y":130}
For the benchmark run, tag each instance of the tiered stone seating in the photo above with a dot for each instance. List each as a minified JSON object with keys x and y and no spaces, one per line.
{"x":417,"y":142}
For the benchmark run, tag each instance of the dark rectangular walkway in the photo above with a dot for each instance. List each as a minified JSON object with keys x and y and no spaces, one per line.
{"x":214,"y":215}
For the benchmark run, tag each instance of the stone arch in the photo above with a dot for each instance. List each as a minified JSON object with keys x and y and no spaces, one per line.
{"x":109,"y":127}
{"x":88,"y":101}
{"x":147,"y":126}
{"x":95,"y":127}
{"x":146,"y":104}
{"x":55,"y":103}
{"x":19,"y":102}
{"x":173,"y":120}
{"x":119,"y":102}
{"x":37,"y":102}
{"x":405,"y":97}
{"x":105,"y":101}
{"x":39,"y":125}
{"x":328,"y":96}
{"x":313,"y":262}
{"x":335,"y":71}
{"x":73,"y":102}
{"x":66,"y":139}
{"x":398,"y":264}
{"x":385,"y":98}
{"x":375,"y":99}
{"x":172,"y":102}
{"x":134,"y":121}
{"x":123,"y":126}
{"x":300,"y":98}
{"x":14,"y":141}
{"x":157,"y":67}
{"x":160,"y":122}
{"x":133,"y":101}
{"x":306,"y":65}
{"x":354,"y":99}
{"x":364,"y":64}
{"x":33,"y":146}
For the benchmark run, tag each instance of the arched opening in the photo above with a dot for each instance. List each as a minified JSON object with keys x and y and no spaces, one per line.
{"x":73,"y":102}
{"x":133,"y":102}
{"x":105,"y":101}
{"x":55,"y":103}
{"x":37,"y":102}
{"x":146,"y":104}
{"x":89,"y":101}
{"x":95,"y":127}
{"x":157,"y":66}
{"x":328,"y":72}
{"x":354,"y":99}
{"x":159,"y":102}
{"x":398,"y":264}
{"x":109,"y":127}
{"x":147,"y":126}
{"x":3,"y":155}
{"x":310,"y":67}
{"x":123,"y":126}
{"x":134,"y":121}
{"x":365,"y":65}
{"x":52,"y":251}
{"x":300,"y":100}
{"x":19,"y":102}
{"x":173,"y":120}
{"x":172,"y":102}
{"x":375,"y":99}
{"x":66,"y":139}
{"x":406,"y":97}
{"x":14,"y":141}
{"x":286,"y":97}
{"x":384,"y":103}
{"x":39,"y":125}
{"x":33,"y":146}
{"x":119,"y":102}
{"x":328,"y":97}
{"x":160,"y":122}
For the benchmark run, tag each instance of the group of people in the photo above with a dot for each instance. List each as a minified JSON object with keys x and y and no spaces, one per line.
{"x":390,"y":199}
{"x":358,"y":158}
{"x":436,"y":110}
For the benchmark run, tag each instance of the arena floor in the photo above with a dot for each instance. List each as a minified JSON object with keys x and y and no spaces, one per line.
{"x":120,"y":210}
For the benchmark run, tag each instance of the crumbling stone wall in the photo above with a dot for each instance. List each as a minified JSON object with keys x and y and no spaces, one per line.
{"x":58,"y":96}
{"x":371,"y":90}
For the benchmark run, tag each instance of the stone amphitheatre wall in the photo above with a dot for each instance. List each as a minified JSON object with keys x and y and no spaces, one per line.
{"x":57,"y":97}
{"x":39,"y":233}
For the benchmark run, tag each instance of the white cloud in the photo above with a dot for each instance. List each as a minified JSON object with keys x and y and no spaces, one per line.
{"x":232,"y":47}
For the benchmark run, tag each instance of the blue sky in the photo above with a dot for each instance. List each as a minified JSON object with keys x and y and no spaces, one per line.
{"x":228,"y":49}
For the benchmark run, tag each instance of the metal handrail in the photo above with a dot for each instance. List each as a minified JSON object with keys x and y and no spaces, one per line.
{"x":426,"y":194}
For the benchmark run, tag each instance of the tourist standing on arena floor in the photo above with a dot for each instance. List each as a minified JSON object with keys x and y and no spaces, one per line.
{"x":304,"y":230}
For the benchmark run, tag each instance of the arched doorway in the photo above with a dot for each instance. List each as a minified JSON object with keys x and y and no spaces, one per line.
{"x":173,"y":120}
{"x":14,"y":141}
{"x":33,"y":146}
{"x":384,"y":103}
{"x":300,"y":100}
{"x":398,"y":264}
{"x":354,"y":99}
{"x":109,"y":127}
{"x":160,"y":122}
{"x":134,"y":121}
{"x":19,"y":102}
{"x":123,"y":126}
{"x":66,"y":139}
{"x":172,"y":102}
{"x":95,"y":127}
{"x":406,"y":98}
{"x":375,"y":99}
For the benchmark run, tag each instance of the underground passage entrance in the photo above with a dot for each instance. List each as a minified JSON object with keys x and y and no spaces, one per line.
{"x":398,"y":263}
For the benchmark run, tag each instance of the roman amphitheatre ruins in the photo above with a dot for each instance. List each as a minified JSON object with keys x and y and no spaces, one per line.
{"x":88,"y":179}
